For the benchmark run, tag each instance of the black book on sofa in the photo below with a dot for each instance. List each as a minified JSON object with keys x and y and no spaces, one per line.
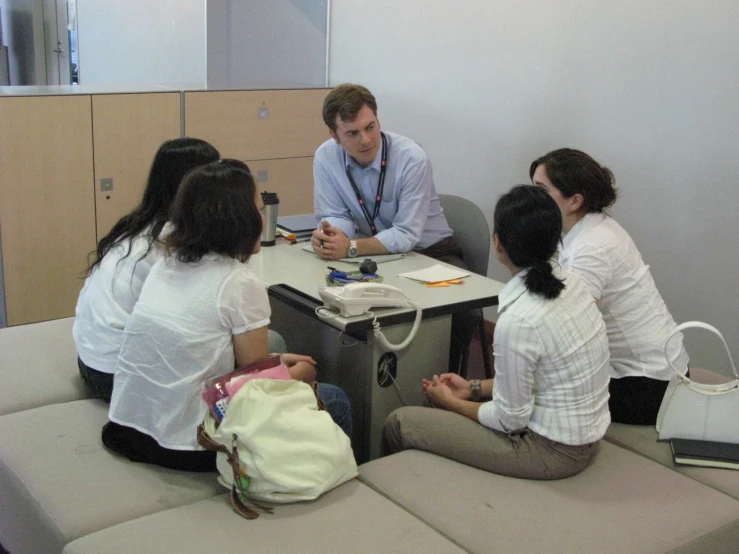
{"x":705,"y":453}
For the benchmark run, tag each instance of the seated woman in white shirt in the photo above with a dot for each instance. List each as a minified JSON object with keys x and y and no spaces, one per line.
{"x":601,"y":252}
{"x":201,"y":313}
{"x":123,"y":259}
{"x":549,"y":398}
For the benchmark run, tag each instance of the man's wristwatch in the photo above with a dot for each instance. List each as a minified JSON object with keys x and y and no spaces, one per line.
{"x":476,"y":389}
{"x":353,"y":250}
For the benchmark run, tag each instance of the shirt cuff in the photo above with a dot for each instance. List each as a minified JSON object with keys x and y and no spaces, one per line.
{"x":346,"y":226}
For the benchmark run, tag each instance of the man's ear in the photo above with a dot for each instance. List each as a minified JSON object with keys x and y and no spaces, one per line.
{"x":334,"y":136}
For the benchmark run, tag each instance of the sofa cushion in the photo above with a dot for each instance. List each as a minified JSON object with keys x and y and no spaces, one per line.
{"x":350,"y":518}
{"x":38,"y":366}
{"x":621,"y":503}
{"x":642,"y":439}
{"x":58,"y":482}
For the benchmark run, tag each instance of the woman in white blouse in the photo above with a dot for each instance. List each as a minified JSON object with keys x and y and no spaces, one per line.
{"x":548,"y":402}
{"x":123,"y":259}
{"x":601,"y":252}
{"x":201,"y":313}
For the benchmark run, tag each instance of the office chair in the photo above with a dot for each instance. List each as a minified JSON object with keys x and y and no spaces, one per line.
{"x":473,"y":235}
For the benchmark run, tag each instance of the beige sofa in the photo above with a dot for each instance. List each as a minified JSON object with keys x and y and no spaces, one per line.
{"x":60,"y":490}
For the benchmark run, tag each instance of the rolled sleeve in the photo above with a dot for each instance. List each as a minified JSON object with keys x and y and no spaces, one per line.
{"x":327,"y":201}
{"x":414,"y":201}
{"x":517,"y":349}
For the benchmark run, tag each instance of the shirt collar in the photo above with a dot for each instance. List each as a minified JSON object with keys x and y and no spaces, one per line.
{"x":512,"y":290}
{"x":589,"y":220}
{"x":351,"y":162}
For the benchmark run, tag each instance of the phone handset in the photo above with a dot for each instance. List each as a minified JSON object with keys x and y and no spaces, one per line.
{"x":358,"y":298}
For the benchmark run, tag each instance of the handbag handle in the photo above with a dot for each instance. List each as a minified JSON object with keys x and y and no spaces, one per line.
{"x":707,"y":327}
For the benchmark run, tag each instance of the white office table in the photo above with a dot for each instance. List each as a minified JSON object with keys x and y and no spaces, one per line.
{"x":347,"y":352}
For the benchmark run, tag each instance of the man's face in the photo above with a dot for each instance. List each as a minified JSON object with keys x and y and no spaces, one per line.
{"x":360,"y":138}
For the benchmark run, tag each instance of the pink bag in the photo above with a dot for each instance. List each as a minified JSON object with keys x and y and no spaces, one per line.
{"x":217,"y":394}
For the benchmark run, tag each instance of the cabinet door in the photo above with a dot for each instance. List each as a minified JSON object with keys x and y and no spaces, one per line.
{"x":128,"y":129}
{"x":291,"y":179}
{"x":258,"y":124}
{"x":47,"y":206}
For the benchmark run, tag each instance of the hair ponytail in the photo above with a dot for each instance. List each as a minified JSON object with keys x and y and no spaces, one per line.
{"x":540,"y":280}
{"x":529,"y":225}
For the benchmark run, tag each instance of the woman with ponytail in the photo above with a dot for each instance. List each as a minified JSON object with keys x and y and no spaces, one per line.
{"x":601,"y":252}
{"x":547,"y":407}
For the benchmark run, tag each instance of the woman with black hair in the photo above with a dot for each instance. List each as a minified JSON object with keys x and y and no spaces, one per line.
{"x":603,"y":255}
{"x":123,"y":259}
{"x":202,"y":312}
{"x":548,"y":402}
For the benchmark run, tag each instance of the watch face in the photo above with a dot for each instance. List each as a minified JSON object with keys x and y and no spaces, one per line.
{"x":353,"y":251}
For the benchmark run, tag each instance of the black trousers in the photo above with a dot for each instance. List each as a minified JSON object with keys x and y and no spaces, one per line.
{"x":463,"y":323}
{"x":636,"y":400}
{"x":140,"y":447}
{"x":99,"y":382}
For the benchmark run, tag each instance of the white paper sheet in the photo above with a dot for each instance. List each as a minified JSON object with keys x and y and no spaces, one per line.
{"x":435,"y":274}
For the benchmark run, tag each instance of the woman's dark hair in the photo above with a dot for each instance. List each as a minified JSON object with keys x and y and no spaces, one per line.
{"x":529,"y":224}
{"x":215,"y":211}
{"x":574,"y":172}
{"x":171,"y":162}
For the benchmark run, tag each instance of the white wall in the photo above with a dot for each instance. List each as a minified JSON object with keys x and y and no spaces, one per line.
{"x":141,"y":41}
{"x":23,"y":34}
{"x":267,"y":42}
{"x":648,"y":87}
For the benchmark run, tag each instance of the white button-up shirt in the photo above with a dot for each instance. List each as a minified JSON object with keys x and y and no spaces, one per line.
{"x":602,"y":253}
{"x":551,"y":364}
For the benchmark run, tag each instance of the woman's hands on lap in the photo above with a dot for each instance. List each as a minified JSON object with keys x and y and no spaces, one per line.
{"x":301,"y":368}
{"x":459,"y":386}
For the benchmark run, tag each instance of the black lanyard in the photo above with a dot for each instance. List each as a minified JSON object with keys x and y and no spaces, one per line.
{"x":380,"y":187}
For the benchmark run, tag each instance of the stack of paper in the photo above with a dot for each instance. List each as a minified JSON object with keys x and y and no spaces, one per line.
{"x":436,"y":274}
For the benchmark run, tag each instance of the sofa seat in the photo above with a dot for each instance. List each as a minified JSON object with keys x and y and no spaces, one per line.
{"x":643,"y":439}
{"x":351,"y":518}
{"x":58,"y":482}
{"x":38,"y":366}
{"x":621,"y":503}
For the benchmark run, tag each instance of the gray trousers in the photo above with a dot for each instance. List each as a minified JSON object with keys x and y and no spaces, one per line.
{"x":526,"y":455}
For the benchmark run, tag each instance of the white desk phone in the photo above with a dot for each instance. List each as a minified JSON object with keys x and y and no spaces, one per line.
{"x":357,"y":298}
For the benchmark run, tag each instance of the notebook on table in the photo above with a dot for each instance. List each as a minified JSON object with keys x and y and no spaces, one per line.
{"x":297,"y":224}
{"x":705,"y":453}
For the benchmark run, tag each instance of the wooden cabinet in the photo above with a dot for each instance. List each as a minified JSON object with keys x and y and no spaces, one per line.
{"x":258,"y":124}
{"x":290,"y":178}
{"x":61,"y":154}
{"x":276,"y":132}
{"x":128,"y":129}
{"x":47,"y":207}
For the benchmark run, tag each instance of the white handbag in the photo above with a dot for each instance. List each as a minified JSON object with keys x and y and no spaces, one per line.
{"x":691,"y":410}
{"x":276,"y":444}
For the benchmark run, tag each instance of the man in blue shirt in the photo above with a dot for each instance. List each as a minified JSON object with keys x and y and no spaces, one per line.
{"x":380,"y":186}
{"x":392,"y":203}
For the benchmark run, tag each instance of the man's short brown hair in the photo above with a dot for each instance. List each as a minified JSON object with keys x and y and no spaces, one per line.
{"x":346,"y":101}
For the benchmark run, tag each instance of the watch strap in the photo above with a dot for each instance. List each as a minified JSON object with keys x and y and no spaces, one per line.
{"x":476,"y":390}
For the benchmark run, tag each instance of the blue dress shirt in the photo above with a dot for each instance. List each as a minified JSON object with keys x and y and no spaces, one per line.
{"x":410,"y":216}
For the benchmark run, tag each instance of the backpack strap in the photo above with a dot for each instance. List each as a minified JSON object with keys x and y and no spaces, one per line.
{"x":238,"y":488}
